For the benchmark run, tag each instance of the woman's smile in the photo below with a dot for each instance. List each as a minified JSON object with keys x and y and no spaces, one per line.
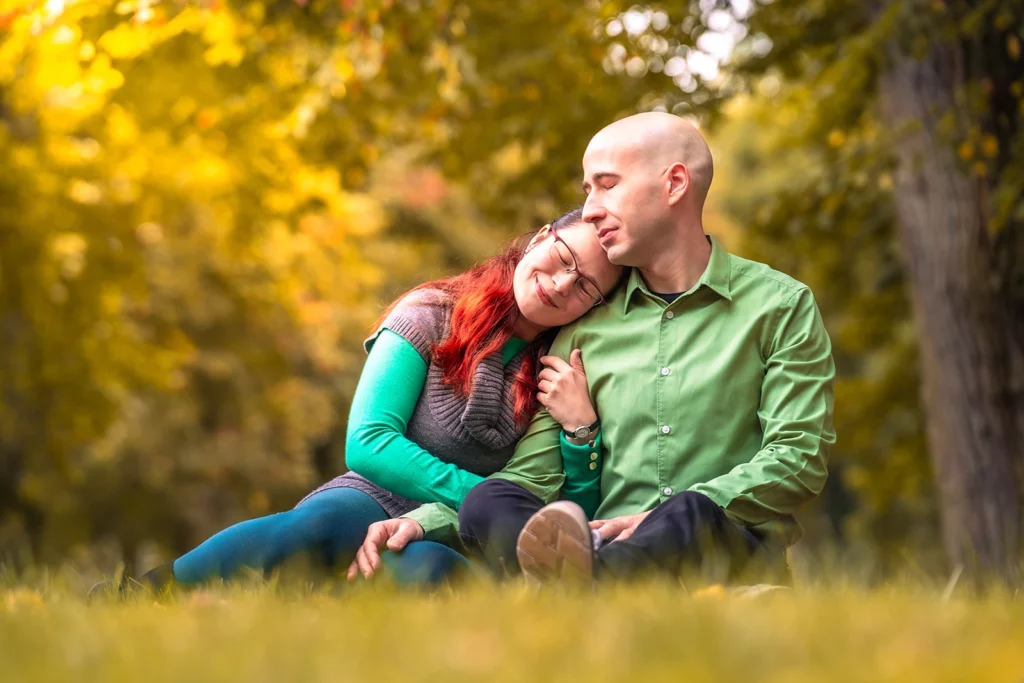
{"x":543,"y":295}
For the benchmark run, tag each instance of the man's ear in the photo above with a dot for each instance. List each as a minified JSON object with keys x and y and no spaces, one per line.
{"x":678,"y":182}
{"x":541,"y":235}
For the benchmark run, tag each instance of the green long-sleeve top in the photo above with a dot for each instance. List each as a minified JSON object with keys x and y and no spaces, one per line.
{"x":377,"y":448}
{"x":726,"y":391}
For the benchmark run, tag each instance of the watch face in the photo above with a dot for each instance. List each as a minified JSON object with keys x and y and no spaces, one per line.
{"x":582,"y":432}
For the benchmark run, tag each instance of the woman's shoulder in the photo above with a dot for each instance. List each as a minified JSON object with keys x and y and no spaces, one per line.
{"x":427,"y":297}
{"x":420,"y":317}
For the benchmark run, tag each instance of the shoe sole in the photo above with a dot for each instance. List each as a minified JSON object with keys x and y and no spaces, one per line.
{"x":556,"y":544}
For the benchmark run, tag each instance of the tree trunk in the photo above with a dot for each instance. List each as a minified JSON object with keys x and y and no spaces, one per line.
{"x":966,"y":351}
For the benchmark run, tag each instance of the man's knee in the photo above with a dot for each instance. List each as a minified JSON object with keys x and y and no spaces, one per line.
{"x":693,"y":506}
{"x":478,"y":509}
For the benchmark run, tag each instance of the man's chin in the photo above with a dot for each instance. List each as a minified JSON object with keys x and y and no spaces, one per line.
{"x":618,"y":255}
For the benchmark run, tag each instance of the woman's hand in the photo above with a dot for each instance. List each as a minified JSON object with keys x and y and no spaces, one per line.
{"x":563,"y":391}
{"x":394,"y":534}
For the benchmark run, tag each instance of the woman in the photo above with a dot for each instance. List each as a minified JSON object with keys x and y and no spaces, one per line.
{"x":448,"y":388}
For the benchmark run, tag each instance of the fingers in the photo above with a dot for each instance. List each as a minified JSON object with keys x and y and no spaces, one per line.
{"x":353,"y":570}
{"x":547,"y":375}
{"x":545,"y":386}
{"x":555,"y":363}
{"x":576,"y":361}
{"x":367,"y":557}
{"x":364,"y":561}
{"x":401,"y":538}
{"x":626,"y":533}
{"x":598,"y":523}
{"x":611,"y":529}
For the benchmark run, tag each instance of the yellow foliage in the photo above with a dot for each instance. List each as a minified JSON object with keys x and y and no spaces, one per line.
{"x":990,"y":146}
{"x":126,"y":40}
{"x":1013,"y":47}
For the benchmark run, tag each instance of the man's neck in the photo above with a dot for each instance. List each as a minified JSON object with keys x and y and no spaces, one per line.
{"x":678,"y":268}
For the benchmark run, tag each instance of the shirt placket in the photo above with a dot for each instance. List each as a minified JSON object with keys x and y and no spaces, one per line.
{"x":664,"y":418}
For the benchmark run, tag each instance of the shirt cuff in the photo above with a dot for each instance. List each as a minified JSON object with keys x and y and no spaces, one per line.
{"x":581,"y":463}
{"x":440,"y":523}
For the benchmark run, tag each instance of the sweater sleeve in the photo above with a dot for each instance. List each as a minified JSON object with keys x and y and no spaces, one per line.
{"x":376,"y":446}
{"x":582,"y":465}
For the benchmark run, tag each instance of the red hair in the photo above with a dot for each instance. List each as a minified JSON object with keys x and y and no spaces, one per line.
{"x":484,"y":315}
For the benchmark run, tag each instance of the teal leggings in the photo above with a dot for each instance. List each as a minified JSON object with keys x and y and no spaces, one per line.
{"x":327,"y":529}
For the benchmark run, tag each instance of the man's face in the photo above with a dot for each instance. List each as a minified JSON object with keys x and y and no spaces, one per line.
{"x":626,"y":200}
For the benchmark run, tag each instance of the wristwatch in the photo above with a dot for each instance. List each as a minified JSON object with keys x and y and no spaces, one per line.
{"x":583,"y":432}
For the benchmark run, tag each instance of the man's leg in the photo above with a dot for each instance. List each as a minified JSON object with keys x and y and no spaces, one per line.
{"x":688,"y":536}
{"x":490,"y":519}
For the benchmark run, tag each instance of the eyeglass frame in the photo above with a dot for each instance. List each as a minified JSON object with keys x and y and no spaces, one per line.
{"x":575,"y":266}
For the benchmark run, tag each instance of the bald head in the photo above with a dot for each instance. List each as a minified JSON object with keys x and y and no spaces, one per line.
{"x":646,"y":179}
{"x":660,"y":139}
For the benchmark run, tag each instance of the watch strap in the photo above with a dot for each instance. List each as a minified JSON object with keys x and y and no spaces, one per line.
{"x":590,"y":430}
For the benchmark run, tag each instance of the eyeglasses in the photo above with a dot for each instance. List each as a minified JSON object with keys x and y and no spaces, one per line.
{"x":563,"y":255}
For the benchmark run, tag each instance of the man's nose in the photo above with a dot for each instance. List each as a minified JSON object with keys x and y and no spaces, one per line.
{"x":592,"y":210}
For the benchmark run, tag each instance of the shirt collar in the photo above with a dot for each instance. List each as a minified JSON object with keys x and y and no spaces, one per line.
{"x":717,"y":276}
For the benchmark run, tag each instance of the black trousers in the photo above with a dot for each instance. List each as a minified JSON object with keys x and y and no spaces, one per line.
{"x":688,"y":536}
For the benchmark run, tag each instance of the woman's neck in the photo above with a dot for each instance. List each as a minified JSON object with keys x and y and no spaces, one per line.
{"x":526,"y":330}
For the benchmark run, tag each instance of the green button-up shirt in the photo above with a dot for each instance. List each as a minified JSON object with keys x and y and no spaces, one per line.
{"x":726,"y":391}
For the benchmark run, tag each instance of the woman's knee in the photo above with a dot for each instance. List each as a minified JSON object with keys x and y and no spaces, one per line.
{"x":340,"y":515}
{"x":424,"y":563}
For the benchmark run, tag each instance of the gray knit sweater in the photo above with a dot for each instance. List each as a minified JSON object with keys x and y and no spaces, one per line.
{"x":477,"y":432}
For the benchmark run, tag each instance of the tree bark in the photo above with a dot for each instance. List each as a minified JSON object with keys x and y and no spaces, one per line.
{"x":967,"y":353}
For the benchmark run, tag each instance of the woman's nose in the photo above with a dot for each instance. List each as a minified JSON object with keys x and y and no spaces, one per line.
{"x":563,"y":282}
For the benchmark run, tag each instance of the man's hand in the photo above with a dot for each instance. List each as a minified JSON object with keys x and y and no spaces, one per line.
{"x":618,"y":528}
{"x":395,"y":534}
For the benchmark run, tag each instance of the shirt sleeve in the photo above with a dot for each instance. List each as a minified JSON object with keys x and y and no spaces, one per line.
{"x":376,"y":446}
{"x":582,"y":465}
{"x":536,"y":465}
{"x":440,"y":523}
{"x":796,"y":419}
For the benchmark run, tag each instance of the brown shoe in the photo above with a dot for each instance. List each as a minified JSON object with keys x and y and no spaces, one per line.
{"x":556,"y":544}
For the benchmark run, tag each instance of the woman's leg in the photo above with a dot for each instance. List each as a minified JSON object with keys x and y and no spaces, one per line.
{"x":328,"y":527}
{"x":424,"y":563}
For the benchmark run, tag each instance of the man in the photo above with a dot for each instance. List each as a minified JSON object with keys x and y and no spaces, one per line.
{"x":712,"y":376}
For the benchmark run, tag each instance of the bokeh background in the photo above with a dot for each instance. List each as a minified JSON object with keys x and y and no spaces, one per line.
{"x":205,"y":205}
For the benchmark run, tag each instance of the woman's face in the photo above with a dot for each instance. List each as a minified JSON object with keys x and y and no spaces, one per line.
{"x":547,"y":292}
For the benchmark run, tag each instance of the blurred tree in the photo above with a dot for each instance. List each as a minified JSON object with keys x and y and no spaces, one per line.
{"x":205,"y":206}
{"x":934,"y":89}
{"x":823,"y":213}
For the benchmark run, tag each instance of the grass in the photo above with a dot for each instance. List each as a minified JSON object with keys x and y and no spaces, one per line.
{"x":649,"y":632}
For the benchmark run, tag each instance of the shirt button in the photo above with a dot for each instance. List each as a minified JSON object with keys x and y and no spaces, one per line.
{"x":593,"y":465}
{"x":665,"y":429}
{"x":665,"y":372}
{"x":669,"y":315}
{"x":667,"y":490}
{"x":593,"y":456}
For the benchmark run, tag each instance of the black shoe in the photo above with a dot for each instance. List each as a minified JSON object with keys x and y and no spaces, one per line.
{"x":154,"y":583}
{"x":116,"y":589}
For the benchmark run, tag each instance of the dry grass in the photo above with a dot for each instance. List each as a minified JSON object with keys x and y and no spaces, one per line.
{"x":649,"y":632}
